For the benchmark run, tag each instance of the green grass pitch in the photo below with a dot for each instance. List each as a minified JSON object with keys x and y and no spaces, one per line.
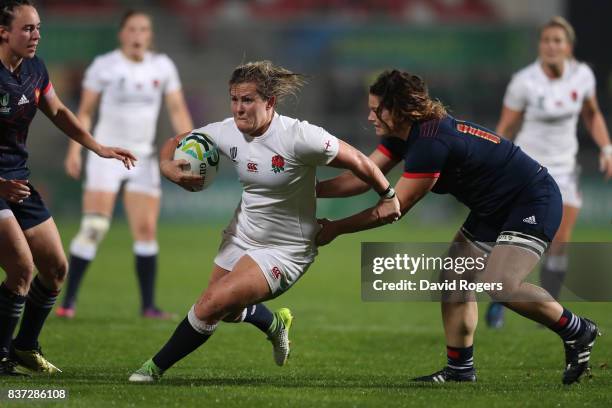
{"x":345,"y":352}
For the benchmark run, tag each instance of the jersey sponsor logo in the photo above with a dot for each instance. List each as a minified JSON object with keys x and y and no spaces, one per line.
{"x":474,"y":131}
{"x":233,"y":153}
{"x":574,"y":95}
{"x":530,"y":220}
{"x":23,"y":100}
{"x":156,"y":83}
{"x":252,"y":167}
{"x":327,"y":145}
{"x":278,"y":163}
{"x":4,"y":101}
{"x":36,"y":96}
{"x":276,"y":273}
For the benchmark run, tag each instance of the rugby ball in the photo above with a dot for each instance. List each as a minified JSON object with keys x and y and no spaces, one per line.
{"x":202,"y":156}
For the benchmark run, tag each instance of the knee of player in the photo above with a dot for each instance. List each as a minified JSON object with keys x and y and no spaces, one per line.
{"x":214,"y":306}
{"x":145,"y":232}
{"x":501,"y":289}
{"x":235,"y":316}
{"x":207,"y":311}
{"x":58,"y":270}
{"x":93,"y":229}
{"x":19,"y":275}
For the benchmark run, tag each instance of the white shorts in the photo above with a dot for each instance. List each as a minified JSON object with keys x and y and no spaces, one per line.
{"x":281,"y":267}
{"x":6,"y":214}
{"x":568,"y":185}
{"x":109,"y":174}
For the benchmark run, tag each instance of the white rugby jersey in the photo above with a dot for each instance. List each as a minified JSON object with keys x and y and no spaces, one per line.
{"x":277,"y":171}
{"x":131,"y":97}
{"x":551,"y":109}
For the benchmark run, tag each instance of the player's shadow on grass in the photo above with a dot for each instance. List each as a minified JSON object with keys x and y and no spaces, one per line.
{"x":298,"y":382}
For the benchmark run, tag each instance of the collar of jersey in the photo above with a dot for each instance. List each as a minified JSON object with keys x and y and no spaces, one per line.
{"x":566,"y":68}
{"x":147,"y":55}
{"x":267,"y":133}
{"x":22,"y":69}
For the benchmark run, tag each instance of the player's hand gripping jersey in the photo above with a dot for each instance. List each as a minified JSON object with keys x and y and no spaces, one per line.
{"x":277,"y":171}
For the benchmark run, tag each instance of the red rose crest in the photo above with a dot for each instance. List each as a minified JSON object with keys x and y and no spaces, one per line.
{"x":574,"y":95}
{"x":278,"y":163}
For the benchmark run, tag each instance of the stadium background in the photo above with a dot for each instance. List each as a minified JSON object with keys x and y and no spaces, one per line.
{"x":345,"y":352}
{"x":465,"y":49}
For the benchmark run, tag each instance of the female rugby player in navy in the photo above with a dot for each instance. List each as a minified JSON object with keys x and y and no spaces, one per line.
{"x":515,"y":212}
{"x":28,"y":235}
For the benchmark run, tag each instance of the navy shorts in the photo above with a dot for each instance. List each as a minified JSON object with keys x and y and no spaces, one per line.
{"x":31,"y":212}
{"x":531,"y":221}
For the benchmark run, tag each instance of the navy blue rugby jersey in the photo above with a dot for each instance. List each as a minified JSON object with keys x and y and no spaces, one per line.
{"x":19,"y":96}
{"x":478,"y":167}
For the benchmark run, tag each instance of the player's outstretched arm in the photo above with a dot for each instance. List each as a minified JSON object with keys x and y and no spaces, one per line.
{"x":408,"y":193}
{"x":509,"y":123}
{"x":596,"y":125}
{"x":73,"y":162}
{"x":178,"y":112}
{"x":65,"y":120}
{"x":174,"y":170}
{"x":350,"y":182}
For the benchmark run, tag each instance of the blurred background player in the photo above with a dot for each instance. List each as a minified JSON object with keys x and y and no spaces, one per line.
{"x":545,"y":100}
{"x":503,"y":188}
{"x":28,"y":235}
{"x":129,"y":84}
{"x":269,"y":243}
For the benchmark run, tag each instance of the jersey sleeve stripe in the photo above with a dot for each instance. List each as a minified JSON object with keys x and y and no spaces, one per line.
{"x":420,"y":175}
{"x":386,"y":152}
{"x":47,"y":88}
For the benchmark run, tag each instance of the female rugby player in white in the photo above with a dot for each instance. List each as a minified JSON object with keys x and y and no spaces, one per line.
{"x":129,"y":84}
{"x":28,"y":234}
{"x":545,"y":100}
{"x":269,"y":244}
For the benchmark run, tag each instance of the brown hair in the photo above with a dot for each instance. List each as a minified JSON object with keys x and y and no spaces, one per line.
{"x":270,"y":80}
{"x":562,"y":23}
{"x":7,"y":10}
{"x":406,"y":97}
{"x":129,"y":14}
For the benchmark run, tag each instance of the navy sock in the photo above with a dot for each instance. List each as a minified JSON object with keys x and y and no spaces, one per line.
{"x":259,"y":316}
{"x":11,"y":306}
{"x":39,"y":303}
{"x":460,"y":359}
{"x":183,"y":341}
{"x":146,"y":269}
{"x":76,"y":271}
{"x":569,"y":326}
